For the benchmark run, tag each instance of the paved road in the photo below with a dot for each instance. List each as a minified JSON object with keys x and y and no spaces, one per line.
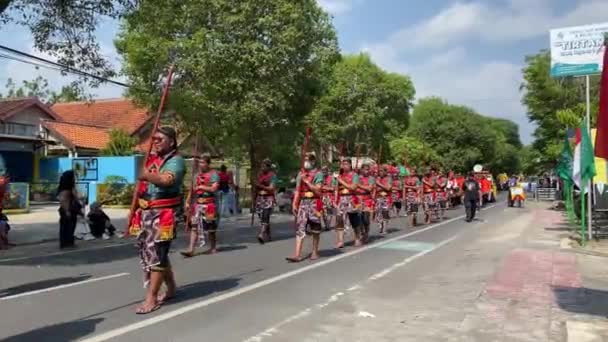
{"x":239,"y":294}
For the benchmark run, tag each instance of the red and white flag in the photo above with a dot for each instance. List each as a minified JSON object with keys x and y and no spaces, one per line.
{"x":601,"y":137}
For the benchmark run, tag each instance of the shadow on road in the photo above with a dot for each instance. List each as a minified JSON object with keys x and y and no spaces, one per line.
{"x":582,"y":300}
{"x":203,"y":289}
{"x":39,"y":285}
{"x":70,"y":331}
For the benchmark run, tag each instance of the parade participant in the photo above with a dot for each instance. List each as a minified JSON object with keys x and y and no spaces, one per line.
{"x":204,"y":218}
{"x":382,"y":191}
{"x":328,"y":190}
{"x":4,"y":180}
{"x":428,"y":196}
{"x":396,"y":189}
{"x":411,"y":196}
{"x":364,"y":192}
{"x":452,"y":189}
{"x":265,"y":199}
{"x":472,"y":194}
{"x":348,"y":203}
{"x":307,"y":207}
{"x":160,"y":192}
{"x":441,"y":194}
{"x":486,"y":187}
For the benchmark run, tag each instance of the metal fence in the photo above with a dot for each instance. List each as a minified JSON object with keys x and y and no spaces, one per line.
{"x":546,"y":194}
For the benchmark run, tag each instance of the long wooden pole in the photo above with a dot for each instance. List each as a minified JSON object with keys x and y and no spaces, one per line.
{"x":161,"y":107}
{"x":195,"y":163}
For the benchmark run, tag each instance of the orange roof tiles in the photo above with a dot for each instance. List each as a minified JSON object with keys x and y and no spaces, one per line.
{"x":11,"y":106}
{"x":111,"y":113}
{"x":81,"y":136}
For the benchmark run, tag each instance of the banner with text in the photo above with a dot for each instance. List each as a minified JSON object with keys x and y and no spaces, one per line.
{"x":577,"y":51}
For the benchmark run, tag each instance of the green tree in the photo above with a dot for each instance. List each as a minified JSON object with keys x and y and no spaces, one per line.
{"x":553,"y":104}
{"x":458,"y":134}
{"x":67,"y":29}
{"x":120,"y":144}
{"x":39,"y":87}
{"x":362,"y":104}
{"x":245,"y":71}
{"x":415,"y":152}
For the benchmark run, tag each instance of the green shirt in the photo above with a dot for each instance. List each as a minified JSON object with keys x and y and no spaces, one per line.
{"x":177,"y":166}
{"x":318,"y":179}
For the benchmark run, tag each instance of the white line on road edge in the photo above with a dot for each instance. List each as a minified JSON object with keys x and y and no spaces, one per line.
{"x":48,"y":289}
{"x":275,"y":328}
{"x":206,"y":302}
{"x":128,"y":242}
{"x":66,"y":252}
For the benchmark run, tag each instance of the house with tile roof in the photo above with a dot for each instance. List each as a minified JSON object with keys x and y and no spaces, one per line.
{"x":30,"y":128}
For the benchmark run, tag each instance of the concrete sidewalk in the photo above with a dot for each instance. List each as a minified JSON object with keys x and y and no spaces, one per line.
{"x":511,"y":282}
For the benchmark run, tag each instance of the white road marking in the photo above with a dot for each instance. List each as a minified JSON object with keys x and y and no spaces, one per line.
{"x":275,"y":328}
{"x":66,"y":252}
{"x":221,"y":297}
{"x":126,"y":243}
{"x":48,"y":289}
{"x":410,"y":259}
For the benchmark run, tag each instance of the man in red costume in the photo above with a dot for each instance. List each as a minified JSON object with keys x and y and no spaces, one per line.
{"x":308,"y":207}
{"x":382,"y":194}
{"x":204,"y":209}
{"x":348,"y":203}
{"x":364,"y":192}
{"x":265,"y":199}
{"x":160,"y":195}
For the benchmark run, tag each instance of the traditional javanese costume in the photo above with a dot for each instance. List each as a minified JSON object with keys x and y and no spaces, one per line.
{"x":155,"y":219}
{"x":310,"y":208}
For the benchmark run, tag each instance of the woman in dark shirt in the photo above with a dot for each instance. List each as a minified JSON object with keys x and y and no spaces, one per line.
{"x":69,"y":209}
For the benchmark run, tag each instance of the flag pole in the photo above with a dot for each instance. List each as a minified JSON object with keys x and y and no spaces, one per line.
{"x":590,"y":182}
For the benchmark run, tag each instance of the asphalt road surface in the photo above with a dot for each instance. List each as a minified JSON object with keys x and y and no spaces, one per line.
{"x":240,"y":294}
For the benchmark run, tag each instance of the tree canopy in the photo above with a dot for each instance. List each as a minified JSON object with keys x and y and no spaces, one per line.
{"x":553,"y":104}
{"x":244,"y":71}
{"x":459,"y":138}
{"x":67,"y":30}
{"x":39,"y":87}
{"x":120,"y":144}
{"x":362,"y":104}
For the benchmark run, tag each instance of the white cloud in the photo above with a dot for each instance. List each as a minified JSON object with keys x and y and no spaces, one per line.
{"x":491,"y":87}
{"x":338,"y":6}
{"x":469,"y":21}
{"x":19,"y":71}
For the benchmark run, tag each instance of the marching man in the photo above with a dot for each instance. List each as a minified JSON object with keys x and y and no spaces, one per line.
{"x":382,"y":191}
{"x":348,"y":203}
{"x":308,"y":207}
{"x":265,"y":199}
{"x":205,"y":208}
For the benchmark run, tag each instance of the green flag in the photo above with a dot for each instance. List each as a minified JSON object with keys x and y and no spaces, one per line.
{"x":564,"y":167}
{"x":587,"y":164}
{"x":587,"y":156}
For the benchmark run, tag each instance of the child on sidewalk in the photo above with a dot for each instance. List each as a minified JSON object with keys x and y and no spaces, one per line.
{"x":99,"y":222}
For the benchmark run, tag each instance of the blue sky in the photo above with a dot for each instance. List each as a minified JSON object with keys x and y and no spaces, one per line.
{"x":468,"y":52}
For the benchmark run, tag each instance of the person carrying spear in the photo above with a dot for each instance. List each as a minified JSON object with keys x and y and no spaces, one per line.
{"x":382,"y":191}
{"x":265,"y":199}
{"x":202,"y":206}
{"x":307,"y":207}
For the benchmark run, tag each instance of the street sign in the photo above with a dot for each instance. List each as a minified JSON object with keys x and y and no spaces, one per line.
{"x":577,"y":51}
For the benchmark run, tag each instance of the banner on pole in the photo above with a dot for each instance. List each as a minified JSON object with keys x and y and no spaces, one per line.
{"x":578,"y":50}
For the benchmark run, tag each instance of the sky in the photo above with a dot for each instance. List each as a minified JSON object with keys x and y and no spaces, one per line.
{"x":467,"y":52}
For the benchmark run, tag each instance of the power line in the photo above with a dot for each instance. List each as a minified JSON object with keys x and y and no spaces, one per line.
{"x":58,"y":66}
